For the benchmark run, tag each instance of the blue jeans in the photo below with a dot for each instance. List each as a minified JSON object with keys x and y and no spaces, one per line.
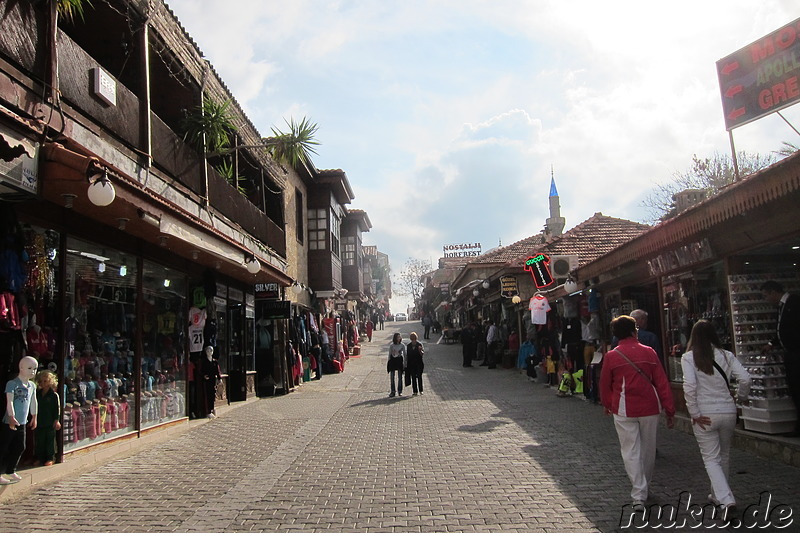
{"x":399,"y":380}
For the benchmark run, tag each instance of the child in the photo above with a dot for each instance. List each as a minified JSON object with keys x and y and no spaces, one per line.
{"x":48,"y":420}
{"x":20,"y":402}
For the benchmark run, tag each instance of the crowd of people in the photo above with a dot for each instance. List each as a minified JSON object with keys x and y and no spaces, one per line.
{"x":633,"y":387}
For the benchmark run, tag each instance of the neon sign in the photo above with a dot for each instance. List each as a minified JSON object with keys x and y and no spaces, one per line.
{"x":537,"y":265}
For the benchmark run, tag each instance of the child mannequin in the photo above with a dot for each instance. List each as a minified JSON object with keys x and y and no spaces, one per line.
{"x":48,"y":418}
{"x":20,"y":402}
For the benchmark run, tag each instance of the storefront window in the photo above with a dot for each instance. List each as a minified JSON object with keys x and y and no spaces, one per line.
{"x":163,"y":339}
{"x":100,"y":293}
{"x":689,"y":297}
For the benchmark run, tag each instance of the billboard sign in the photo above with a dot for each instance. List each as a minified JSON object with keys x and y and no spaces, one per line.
{"x":762,"y":77}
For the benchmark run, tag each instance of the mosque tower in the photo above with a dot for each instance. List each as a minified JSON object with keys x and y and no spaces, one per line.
{"x":555,"y":223}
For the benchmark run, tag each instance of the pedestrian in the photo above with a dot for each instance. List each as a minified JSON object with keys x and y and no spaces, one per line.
{"x":646,"y":337}
{"x":710,"y":405}
{"x":381,"y":318}
{"x":396,"y":364}
{"x":787,"y":337}
{"x":634,"y":388}
{"x":48,"y":418}
{"x":427,"y":323}
{"x":316,"y":354}
{"x":414,"y":352}
{"x":493,"y":344}
{"x":368,"y":328}
{"x":469,"y":344}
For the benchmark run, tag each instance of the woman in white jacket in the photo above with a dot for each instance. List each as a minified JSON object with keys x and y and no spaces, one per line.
{"x":706,"y":371}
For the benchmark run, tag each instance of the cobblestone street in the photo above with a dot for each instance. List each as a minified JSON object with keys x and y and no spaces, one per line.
{"x":481,"y":450}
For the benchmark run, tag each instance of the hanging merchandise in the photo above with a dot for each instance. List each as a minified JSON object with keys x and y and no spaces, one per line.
{"x":539,"y":306}
{"x":13,"y":256}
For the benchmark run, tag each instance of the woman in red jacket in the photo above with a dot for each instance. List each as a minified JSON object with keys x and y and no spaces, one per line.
{"x":634,"y":388}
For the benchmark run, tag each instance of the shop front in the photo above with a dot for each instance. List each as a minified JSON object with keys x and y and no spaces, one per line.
{"x":709,"y":263}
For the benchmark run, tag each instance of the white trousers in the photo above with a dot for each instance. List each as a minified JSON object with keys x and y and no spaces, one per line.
{"x":637,"y":443}
{"x":715,"y":446}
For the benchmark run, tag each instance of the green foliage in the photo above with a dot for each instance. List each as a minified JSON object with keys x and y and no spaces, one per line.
{"x":70,"y":8}
{"x":212,"y":120}
{"x":227,"y":171}
{"x":293,"y":148}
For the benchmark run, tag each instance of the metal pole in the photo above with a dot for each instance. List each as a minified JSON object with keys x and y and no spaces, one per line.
{"x":787,"y":122}
{"x":733,"y":156}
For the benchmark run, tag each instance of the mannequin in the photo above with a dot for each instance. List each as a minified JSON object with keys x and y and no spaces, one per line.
{"x":20,"y":402}
{"x":210,"y":373}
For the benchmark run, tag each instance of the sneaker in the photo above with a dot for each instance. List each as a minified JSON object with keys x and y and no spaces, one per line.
{"x":414,"y":394}
{"x":391,"y":395}
{"x":5,"y":481}
{"x":420,"y":393}
{"x":638,"y":506}
{"x":212,"y":415}
{"x":14,"y":478}
{"x":712,"y":500}
{"x":399,"y":393}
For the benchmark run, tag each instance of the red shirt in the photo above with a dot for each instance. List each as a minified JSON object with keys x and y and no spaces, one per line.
{"x":625,"y":392}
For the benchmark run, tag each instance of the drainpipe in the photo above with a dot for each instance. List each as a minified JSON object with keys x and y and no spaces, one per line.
{"x":146,"y":135}
{"x":203,"y":155}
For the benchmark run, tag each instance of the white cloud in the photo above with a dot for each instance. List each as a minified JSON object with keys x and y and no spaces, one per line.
{"x":449,"y":114}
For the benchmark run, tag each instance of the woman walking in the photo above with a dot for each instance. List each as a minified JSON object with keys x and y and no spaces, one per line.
{"x":414,"y":353}
{"x":396,"y":364}
{"x":706,"y":368}
{"x":634,"y":388}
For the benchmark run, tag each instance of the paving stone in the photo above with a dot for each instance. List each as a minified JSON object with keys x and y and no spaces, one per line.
{"x":479,"y":451}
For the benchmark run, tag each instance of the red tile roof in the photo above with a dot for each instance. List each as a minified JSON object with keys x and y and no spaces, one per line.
{"x":588,"y":240}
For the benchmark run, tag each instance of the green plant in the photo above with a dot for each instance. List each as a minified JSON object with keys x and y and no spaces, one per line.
{"x":209,"y":127}
{"x":227,"y":171}
{"x":69,"y":8}
{"x":296,"y":146}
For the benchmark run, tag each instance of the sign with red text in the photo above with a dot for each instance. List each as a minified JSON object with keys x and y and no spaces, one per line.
{"x":762,"y":77}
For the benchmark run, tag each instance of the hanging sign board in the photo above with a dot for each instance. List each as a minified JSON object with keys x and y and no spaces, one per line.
{"x":508,"y":286}
{"x":273,"y":309}
{"x":267,"y":291}
{"x":537,"y":265}
{"x":761,"y":78}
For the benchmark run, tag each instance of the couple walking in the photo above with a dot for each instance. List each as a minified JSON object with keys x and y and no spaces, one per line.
{"x":408,"y":358}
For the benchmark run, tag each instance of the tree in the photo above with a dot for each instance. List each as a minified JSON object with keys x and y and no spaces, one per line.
{"x":411,"y":280}
{"x":710,"y":175}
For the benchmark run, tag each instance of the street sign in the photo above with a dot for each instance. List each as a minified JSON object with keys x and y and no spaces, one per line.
{"x":761,"y":78}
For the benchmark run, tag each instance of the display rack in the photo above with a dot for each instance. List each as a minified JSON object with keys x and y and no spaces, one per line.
{"x":769,"y":409}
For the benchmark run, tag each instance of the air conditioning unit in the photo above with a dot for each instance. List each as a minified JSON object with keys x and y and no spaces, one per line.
{"x":562,"y":265}
{"x":19,"y":177}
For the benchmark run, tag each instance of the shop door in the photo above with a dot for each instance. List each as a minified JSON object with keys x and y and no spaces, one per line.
{"x":236,"y":353}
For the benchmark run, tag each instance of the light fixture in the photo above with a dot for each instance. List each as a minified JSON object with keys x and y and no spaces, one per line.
{"x":195,"y":254}
{"x":218,"y":265}
{"x":570,"y":285}
{"x":69,"y":199}
{"x":485,"y":284}
{"x":101,"y":191}
{"x":166,"y":283}
{"x":150,"y":218}
{"x":162,"y":240}
{"x":515,"y":299}
{"x":123,"y":271}
{"x":252,"y":265}
{"x":476,"y":292}
{"x":297,"y":288}
{"x":101,"y":267}
{"x":122,"y":223}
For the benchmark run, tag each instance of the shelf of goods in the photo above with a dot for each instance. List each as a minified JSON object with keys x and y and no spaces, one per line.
{"x":770,"y":408}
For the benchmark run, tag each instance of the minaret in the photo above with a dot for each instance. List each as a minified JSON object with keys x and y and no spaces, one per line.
{"x":555,"y":224}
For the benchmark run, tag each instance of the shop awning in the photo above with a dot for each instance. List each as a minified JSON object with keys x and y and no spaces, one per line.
{"x":13,"y":145}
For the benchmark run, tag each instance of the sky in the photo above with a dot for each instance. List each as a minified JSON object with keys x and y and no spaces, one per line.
{"x":449,"y":117}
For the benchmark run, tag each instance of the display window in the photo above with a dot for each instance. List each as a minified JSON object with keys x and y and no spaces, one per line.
{"x":99,"y":388}
{"x":689,"y":297}
{"x":164,"y":320}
